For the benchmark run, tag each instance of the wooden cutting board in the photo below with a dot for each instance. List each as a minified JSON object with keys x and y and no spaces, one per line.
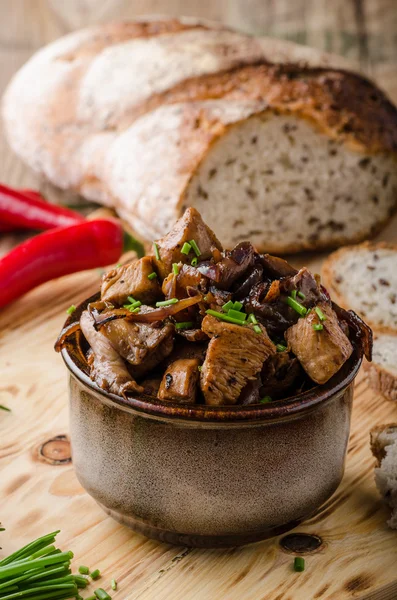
{"x":40,"y":493}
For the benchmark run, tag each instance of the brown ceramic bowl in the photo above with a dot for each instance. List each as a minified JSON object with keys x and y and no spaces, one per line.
{"x":209,"y":476}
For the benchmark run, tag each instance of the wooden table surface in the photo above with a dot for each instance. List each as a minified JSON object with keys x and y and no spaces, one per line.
{"x":38,"y":489}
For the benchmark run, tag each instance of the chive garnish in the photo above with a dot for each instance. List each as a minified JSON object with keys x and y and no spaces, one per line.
{"x":91,"y":597}
{"x":281,"y":348}
{"x":236,"y":314}
{"x":184,"y":325}
{"x":196,"y":249}
{"x":252,"y":319}
{"x":95,"y":574}
{"x":118,"y":265}
{"x":113,"y":584}
{"x":131,"y":299}
{"x":302,"y":295}
{"x":71,"y":309}
{"x":2,"y":407}
{"x":156,"y":251}
{"x":134,"y":306}
{"x":265,"y":400}
{"x":223,"y":317}
{"x":227,"y":306}
{"x":175,"y":269}
{"x":237,"y":305}
{"x":84,"y":570}
{"x":194,"y":262}
{"x":318,"y":327}
{"x":167,"y":302}
{"x":186,"y":248}
{"x":296,"y":306}
{"x":299,"y":563}
{"x":200,"y":368}
{"x":320,"y":314}
{"x":102,"y":595}
{"x":152,"y":275}
{"x":293,"y":294}
{"x":257,"y":329}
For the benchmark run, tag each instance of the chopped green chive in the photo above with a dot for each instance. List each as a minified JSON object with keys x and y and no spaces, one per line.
{"x":102,"y":595}
{"x":318,"y":327}
{"x":91,"y":597}
{"x":186,"y":248}
{"x":223,"y":317}
{"x":95,"y":574}
{"x":118,"y":265}
{"x":83,"y":570}
{"x":175,"y":269}
{"x":152,"y":275}
{"x":2,"y":407}
{"x":237,"y":305}
{"x":296,"y":306}
{"x":156,"y":251}
{"x":184,"y":325}
{"x":134,"y":306}
{"x":252,"y":319}
{"x":281,"y":348}
{"x":265,"y":400}
{"x":301,"y":295}
{"x":257,"y":329}
{"x":200,"y":368}
{"x":293,"y":294}
{"x":299,"y":564}
{"x":71,"y":309}
{"x":2,"y":528}
{"x":236,"y":314}
{"x":131,"y":299}
{"x":320,"y":314}
{"x":196,"y":249}
{"x":194,"y":262}
{"x":227,"y":306}
{"x":113,"y":584}
{"x":167,"y":302}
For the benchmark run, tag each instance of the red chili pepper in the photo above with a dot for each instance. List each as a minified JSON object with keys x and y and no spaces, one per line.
{"x":59,"y":252}
{"x":28,"y":210}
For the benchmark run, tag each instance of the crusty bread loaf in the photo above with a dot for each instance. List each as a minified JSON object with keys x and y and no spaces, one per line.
{"x":153,"y":116}
{"x":364,"y":278}
{"x":384,"y":448}
{"x":382,"y":371}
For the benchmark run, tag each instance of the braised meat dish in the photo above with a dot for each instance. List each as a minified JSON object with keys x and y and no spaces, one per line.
{"x":195,"y":323}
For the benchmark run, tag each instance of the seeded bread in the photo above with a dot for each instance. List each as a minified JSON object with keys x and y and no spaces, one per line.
{"x":364,"y":278}
{"x":153,"y":116}
{"x":382,"y":371}
{"x":384,"y":448}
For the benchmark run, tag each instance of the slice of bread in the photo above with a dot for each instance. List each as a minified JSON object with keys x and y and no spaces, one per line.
{"x":364,"y":278}
{"x":382,"y":371}
{"x":384,"y":448}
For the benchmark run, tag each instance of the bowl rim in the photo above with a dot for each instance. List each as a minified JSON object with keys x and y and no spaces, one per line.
{"x":294,"y":406}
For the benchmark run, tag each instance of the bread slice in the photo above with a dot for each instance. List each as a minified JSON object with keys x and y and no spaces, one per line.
{"x":364,"y":278}
{"x":153,"y":116}
{"x":382,"y":371}
{"x":384,"y":448}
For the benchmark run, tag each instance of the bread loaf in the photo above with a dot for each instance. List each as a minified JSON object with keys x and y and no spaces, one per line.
{"x":384,"y":448}
{"x":382,"y":371}
{"x":154,"y":116}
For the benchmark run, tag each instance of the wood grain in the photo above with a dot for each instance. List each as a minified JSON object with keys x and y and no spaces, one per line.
{"x":359,"y":555}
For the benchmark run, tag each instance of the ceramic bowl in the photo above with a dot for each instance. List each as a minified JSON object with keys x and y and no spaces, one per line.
{"x":209,"y":476}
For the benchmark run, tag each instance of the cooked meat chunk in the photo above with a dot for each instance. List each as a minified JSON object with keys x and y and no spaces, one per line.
{"x":131,"y":280}
{"x":193,"y":335}
{"x":279,"y":374}
{"x":108,"y":369}
{"x":185,"y":349}
{"x":251,"y":392}
{"x":234,"y":264}
{"x":180,"y":381}
{"x":151,"y":385}
{"x":178,"y":286}
{"x":321,"y":353}
{"x":235,"y":354}
{"x":243,"y":287}
{"x":143,"y":346}
{"x":189,"y":227}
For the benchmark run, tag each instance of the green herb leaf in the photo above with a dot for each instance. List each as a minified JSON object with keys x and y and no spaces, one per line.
{"x":320,"y":314}
{"x":196,"y":249}
{"x":186,"y":248}
{"x":71,"y":309}
{"x":184,"y":325}
{"x":152,"y":275}
{"x":156,"y":251}
{"x":317,"y":327}
{"x":167,"y":302}
{"x":301,"y":310}
{"x":265,"y":400}
{"x":299,"y":563}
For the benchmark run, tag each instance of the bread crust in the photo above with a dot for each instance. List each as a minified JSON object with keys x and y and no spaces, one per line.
{"x":72,"y":145}
{"x":329,"y":275}
{"x":377,"y":448}
{"x":381,"y":380}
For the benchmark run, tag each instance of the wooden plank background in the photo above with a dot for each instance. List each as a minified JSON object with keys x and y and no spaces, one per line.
{"x":37,"y":496}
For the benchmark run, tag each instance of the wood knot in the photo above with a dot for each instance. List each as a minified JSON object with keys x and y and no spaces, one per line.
{"x":55,"y":451}
{"x":301,"y":543}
